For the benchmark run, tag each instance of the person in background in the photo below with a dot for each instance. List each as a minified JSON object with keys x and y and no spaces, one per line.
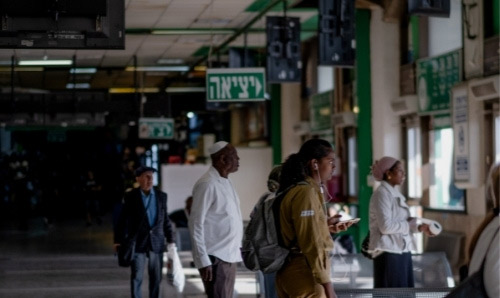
{"x":144,"y":214}
{"x":92,"y":198}
{"x":180,"y":217}
{"x":392,"y":228}
{"x":215,"y":223}
{"x":484,"y":246}
{"x":268,"y":279}
{"x":304,"y":224}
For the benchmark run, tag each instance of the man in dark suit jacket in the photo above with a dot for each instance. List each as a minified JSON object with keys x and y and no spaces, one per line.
{"x":144,"y":214}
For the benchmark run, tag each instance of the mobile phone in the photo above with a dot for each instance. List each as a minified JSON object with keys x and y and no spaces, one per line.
{"x":352,"y":220}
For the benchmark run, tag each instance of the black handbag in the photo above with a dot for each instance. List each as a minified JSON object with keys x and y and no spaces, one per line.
{"x":472,"y":286}
{"x":365,"y":247}
{"x":126,"y":252}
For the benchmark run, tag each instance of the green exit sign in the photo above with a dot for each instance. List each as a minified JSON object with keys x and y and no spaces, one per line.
{"x":156,"y":128}
{"x":236,"y":84}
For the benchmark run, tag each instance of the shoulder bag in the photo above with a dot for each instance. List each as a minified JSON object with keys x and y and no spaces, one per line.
{"x":126,"y":250}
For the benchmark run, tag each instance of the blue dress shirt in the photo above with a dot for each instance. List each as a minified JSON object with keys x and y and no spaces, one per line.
{"x":150,"y":205}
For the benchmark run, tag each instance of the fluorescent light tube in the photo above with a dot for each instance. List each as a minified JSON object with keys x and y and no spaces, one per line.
{"x":44,"y":62}
{"x":158,"y":68}
{"x":83,"y":70}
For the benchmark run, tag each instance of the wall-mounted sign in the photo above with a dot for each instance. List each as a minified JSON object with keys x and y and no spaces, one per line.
{"x":236,"y":84}
{"x":435,"y":78}
{"x":156,"y":128}
{"x":321,"y":111}
{"x":468,"y":138}
{"x":460,"y":114}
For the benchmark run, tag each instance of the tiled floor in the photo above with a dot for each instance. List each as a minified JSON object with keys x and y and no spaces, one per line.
{"x":71,"y":260}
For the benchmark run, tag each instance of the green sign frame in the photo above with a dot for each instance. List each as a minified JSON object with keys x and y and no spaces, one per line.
{"x":156,"y":128}
{"x":236,"y":84}
{"x":321,"y":111}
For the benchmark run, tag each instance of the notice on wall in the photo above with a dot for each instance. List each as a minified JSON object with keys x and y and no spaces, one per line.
{"x":321,"y":111}
{"x":460,"y":116}
{"x":435,"y":78}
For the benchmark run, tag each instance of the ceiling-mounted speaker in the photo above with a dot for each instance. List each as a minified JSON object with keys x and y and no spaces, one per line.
{"x":431,"y":8}
{"x":239,"y":57}
{"x":336,"y":33}
{"x":283,"y":50}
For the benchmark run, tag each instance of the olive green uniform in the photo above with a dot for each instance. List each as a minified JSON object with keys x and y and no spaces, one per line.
{"x":304,"y":228}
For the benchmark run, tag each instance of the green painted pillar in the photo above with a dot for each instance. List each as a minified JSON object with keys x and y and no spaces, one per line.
{"x":363,"y":88}
{"x":415,"y":37}
{"x":275,"y":93}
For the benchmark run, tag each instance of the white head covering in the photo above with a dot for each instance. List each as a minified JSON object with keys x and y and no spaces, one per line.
{"x":217,"y":147}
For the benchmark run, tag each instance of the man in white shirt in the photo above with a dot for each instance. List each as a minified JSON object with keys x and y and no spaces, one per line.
{"x":215,"y":223}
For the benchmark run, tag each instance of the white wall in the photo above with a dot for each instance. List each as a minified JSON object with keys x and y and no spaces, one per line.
{"x":290,"y":115}
{"x":445,"y":34}
{"x":250,"y":181}
{"x":385,"y":57}
{"x":178,"y":181}
{"x":325,"y":78}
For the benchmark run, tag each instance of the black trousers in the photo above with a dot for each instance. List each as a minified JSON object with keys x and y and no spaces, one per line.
{"x":392,"y":270}
{"x":223,"y":279}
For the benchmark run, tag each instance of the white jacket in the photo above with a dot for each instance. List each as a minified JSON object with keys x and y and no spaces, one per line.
{"x":390,"y":230}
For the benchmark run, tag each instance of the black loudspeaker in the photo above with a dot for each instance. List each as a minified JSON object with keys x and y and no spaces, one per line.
{"x":283,"y":50}
{"x":432,"y":8}
{"x":336,"y":32}
{"x":240,"y":58}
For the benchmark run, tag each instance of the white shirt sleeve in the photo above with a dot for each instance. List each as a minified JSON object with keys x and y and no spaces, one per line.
{"x":202,"y":199}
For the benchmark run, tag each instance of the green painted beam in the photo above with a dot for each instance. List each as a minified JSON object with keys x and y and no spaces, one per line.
{"x":213,"y":31}
{"x":258,"y":5}
{"x":363,"y":89}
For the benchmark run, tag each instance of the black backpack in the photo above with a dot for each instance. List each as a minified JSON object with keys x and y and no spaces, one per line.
{"x":263,"y":247}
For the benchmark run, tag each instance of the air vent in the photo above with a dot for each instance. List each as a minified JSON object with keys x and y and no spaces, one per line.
{"x":405,"y":105}
{"x":485,"y":88}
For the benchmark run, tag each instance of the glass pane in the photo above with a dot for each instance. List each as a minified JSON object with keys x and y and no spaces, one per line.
{"x":352,"y":166}
{"x":442,"y":191}
{"x":414,"y":157}
{"x":497,"y":139}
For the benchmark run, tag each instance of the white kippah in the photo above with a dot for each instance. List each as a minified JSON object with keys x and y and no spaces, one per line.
{"x":217,"y":147}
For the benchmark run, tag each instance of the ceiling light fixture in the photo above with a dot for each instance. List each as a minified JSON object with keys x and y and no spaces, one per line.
{"x":79,"y":70}
{"x":169,"y":61}
{"x":200,"y":68}
{"x":134,"y":90}
{"x":44,"y":62}
{"x":158,"y":68}
{"x":78,"y":86}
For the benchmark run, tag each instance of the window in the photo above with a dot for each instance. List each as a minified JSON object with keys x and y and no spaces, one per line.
{"x":443,"y":194}
{"x":414,"y":158}
{"x":497,"y":137}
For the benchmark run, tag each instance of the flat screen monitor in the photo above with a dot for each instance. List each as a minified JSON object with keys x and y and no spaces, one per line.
{"x":62,"y":24}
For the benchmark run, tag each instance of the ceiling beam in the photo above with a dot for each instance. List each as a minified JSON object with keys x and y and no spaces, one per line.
{"x":238,"y":32}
